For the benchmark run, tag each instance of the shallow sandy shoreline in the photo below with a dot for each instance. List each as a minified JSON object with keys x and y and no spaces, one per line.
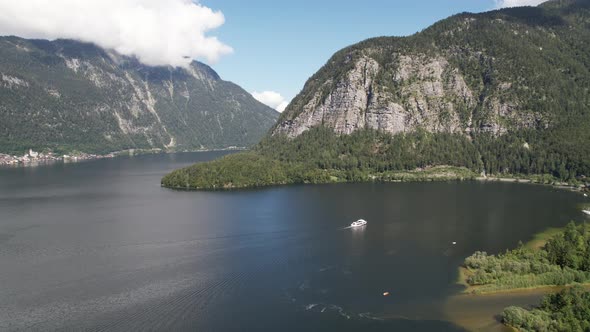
{"x":481,"y":312}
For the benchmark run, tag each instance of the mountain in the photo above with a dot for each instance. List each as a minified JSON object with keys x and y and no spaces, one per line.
{"x":505,"y":92}
{"x":495,"y":72}
{"x":66,"y":95}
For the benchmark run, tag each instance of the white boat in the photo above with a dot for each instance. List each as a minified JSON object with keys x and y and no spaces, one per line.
{"x":586,"y":212}
{"x":359,"y":223}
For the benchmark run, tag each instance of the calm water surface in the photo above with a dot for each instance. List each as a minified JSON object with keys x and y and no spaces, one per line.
{"x":100,"y":246}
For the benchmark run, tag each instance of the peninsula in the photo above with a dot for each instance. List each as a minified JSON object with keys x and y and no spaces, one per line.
{"x":500,"y":94}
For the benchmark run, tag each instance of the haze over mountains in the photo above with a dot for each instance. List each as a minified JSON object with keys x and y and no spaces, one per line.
{"x":67,"y":96}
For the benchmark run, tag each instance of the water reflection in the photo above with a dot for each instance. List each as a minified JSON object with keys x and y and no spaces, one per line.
{"x":103,"y":243}
{"x":358,"y":238}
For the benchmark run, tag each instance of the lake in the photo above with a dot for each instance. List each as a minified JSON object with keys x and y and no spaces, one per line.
{"x":101,"y":246}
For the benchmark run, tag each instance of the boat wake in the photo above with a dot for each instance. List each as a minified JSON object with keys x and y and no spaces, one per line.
{"x":323,"y":308}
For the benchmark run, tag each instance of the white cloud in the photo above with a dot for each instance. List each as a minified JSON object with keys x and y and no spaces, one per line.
{"x":517,"y":3}
{"x":157,"y":32}
{"x":272,"y":99}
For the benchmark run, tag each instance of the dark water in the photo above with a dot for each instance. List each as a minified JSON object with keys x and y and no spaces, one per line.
{"x":100,"y":245}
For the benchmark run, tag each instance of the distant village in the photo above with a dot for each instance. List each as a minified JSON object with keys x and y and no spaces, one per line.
{"x":31,"y":158}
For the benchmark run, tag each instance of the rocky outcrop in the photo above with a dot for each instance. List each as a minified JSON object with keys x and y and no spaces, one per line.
{"x":423,"y":92}
{"x":493,"y":73}
{"x":12,"y":82}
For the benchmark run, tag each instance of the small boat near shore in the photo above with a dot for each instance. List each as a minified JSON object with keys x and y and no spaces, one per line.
{"x":359,"y":223}
{"x":586,"y":212}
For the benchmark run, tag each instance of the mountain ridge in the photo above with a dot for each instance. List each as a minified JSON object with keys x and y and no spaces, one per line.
{"x":445,"y":48}
{"x":67,"y":95}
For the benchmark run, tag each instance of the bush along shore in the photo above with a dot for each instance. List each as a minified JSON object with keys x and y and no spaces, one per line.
{"x":562,"y":260}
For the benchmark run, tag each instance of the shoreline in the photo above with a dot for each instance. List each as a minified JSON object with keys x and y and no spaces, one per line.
{"x":556,"y":185}
{"x":441,"y":173}
{"x":537,"y":241}
{"x":35,"y":159}
{"x":485,"y":306}
{"x":473,"y":290}
{"x":481,"y":312}
{"x":547,"y":289}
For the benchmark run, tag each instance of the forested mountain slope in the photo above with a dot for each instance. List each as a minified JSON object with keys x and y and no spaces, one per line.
{"x":501,"y":92}
{"x":519,"y":77}
{"x":66,"y":95}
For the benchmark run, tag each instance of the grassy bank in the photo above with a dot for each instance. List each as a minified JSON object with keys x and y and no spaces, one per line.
{"x":555,"y":257}
{"x":540,"y":239}
{"x":515,"y":287}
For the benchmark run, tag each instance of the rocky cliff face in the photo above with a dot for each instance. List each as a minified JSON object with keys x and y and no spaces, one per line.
{"x":469,"y":74}
{"x":429,"y":95}
{"x":73,"y":96}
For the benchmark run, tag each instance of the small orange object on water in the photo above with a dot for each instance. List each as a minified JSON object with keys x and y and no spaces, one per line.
{"x":386,"y":294}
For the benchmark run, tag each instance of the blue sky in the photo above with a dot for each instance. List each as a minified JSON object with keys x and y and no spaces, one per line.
{"x":278,"y":45}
